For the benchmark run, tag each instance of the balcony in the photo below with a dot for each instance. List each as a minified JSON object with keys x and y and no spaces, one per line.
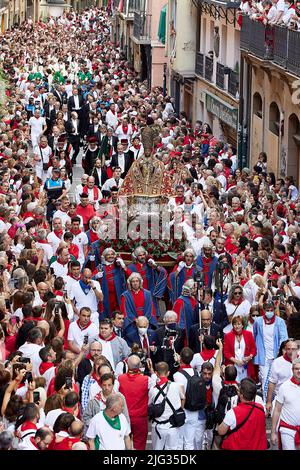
{"x":279,"y":45}
{"x":128,"y":10}
{"x":142,"y":27}
{"x":220,"y":76}
{"x":209,"y":68}
{"x":199,"y":64}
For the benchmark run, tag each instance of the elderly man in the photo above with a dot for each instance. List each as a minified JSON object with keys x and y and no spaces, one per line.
{"x":208,"y":327}
{"x":37,"y":126}
{"x":154,"y":277}
{"x":86,"y":365}
{"x":42,"y":154}
{"x":182,"y":271}
{"x":169,"y":339}
{"x":142,"y":335}
{"x":79,"y":187}
{"x":207,"y":262}
{"x":94,"y":193}
{"x":109,"y":429}
{"x":186,"y":308}
{"x":137,"y":302}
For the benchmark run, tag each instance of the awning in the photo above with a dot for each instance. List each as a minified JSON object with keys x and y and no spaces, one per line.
{"x":162,"y":24}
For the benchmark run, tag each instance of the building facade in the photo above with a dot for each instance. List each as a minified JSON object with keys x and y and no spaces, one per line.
{"x":217,"y":66}
{"x":270,"y":88}
{"x":136,"y":29}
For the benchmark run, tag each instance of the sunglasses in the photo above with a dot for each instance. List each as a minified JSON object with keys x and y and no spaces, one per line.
{"x":237,"y":293}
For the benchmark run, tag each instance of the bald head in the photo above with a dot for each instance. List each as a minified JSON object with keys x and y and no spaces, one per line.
{"x":134,"y":362}
{"x":206,"y":317}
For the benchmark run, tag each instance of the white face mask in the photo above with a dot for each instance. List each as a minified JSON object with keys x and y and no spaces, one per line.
{"x":142,"y":331}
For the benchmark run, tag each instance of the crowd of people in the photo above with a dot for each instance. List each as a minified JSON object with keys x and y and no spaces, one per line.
{"x":94,"y":347}
{"x":273,"y":12}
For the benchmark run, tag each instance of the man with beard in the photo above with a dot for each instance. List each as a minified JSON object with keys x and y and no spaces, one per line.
{"x":99,"y":173}
{"x":207,"y":262}
{"x":86,"y":365}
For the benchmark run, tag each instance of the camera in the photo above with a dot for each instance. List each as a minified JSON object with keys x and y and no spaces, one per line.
{"x":69,"y":383}
{"x":24,"y":360}
{"x":36,"y":397}
{"x":85,"y":339}
{"x":28,"y":377}
{"x":198,"y":277}
{"x":222,"y":265}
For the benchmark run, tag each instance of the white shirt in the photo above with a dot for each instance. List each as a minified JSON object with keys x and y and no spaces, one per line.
{"x":86,"y":300}
{"x":31,"y":350}
{"x":281,"y":371}
{"x":268,"y":332}
{"x":54,"y":241}
{"x":48,"y":252}
{"x":107,"y":352}
{"x":76,"y":103}
{"x":52,"y":417}
{"x":112,"y":120}
{"x":63,"y":216}
{"x":110,"y":439}
{"x":77,"y":335}
{"x":289,"y":397}
{"x":198,"y":360}
{"x":243,"y":309}
{"x":110,"y":183}
{"x":60,"y":270}
{"x":81,"y":240}
{"x":175,"y":395}
{"x":36,"y":125}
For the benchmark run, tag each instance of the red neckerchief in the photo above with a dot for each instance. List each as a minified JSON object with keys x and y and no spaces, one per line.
{"x":58,"y":292}
{"x":207,"y":354}
{"x":75,"y":278}
{"x":89,"y":357}
{"x":95,"y":191}
{"x":67,"y":410}
{"x":185,"y":366}
{"x":113,"y":336}
{"x":285,"y":356}
{"x":124,"y":129}
{"x":261,"y":273}
{"x":294,"y":381}
{"x":33,"y":442}
{"x":162,"y":381}
{"x":75,"y":233}
{"x":97,"y":379}
{"x":59,"y":262}
{"x":45,"y":366}
{"x":268,"y":320}
{"x":179,"y":199}
{"x":28,"y":425}
{"x":238,"y":302}
{"x":208,"y":398}
{"x":58,"y":233}
{"x":137,"y":146}
{"x":85,"y":327}
{"x":44,"y":242}
{"x":230,"y":382}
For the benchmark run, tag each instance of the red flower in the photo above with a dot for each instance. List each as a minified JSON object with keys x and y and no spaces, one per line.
{"x":144,"y":244}
{"x":150,"y":249}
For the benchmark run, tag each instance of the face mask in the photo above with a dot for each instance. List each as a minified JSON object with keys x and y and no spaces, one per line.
{"x":270,"y":315}
{"x":142,"y":331}
{"x":171,"y":326}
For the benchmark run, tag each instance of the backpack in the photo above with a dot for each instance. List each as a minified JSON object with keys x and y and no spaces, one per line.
{"x":195,"y":395}
{"x":228,"y":399}
{"x":155,"y":410}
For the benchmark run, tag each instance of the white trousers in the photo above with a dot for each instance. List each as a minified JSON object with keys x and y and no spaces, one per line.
{"x":169,"y":438}
{"x":190,"y":431}
{"x":288,"y":439}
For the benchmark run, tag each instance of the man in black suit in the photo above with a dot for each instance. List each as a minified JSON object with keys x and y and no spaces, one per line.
{"x":99,"y":173}
{"x":121,"y":159}
{"x":95,"y":129}
{"x":118,"y":323}
{"x":108,"y":144}
{"x":60,"y":94}
{"x":48,"y":107}
{"x":73,"y":131}
{"x":140,"y":333}
{"x":75,"y":102}
{"x":166,"y":343}
{"x":208,"y":328}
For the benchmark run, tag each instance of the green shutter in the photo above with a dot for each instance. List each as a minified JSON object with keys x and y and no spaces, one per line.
{"x":162,"y":24}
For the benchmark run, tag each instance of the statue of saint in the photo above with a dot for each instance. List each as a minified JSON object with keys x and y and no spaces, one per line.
{"x":148,"y":176}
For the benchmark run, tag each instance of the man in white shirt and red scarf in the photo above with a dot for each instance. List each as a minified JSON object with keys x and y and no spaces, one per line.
{"x":56,"y":236}
{"x":124,"y":131}
{"x":60,"y":266}
{"x":81,"y":328}
{"x":93,"y":192}
{"x":287,"y":412}
{"x":154,"y":277}
{"x":137,"y":302}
